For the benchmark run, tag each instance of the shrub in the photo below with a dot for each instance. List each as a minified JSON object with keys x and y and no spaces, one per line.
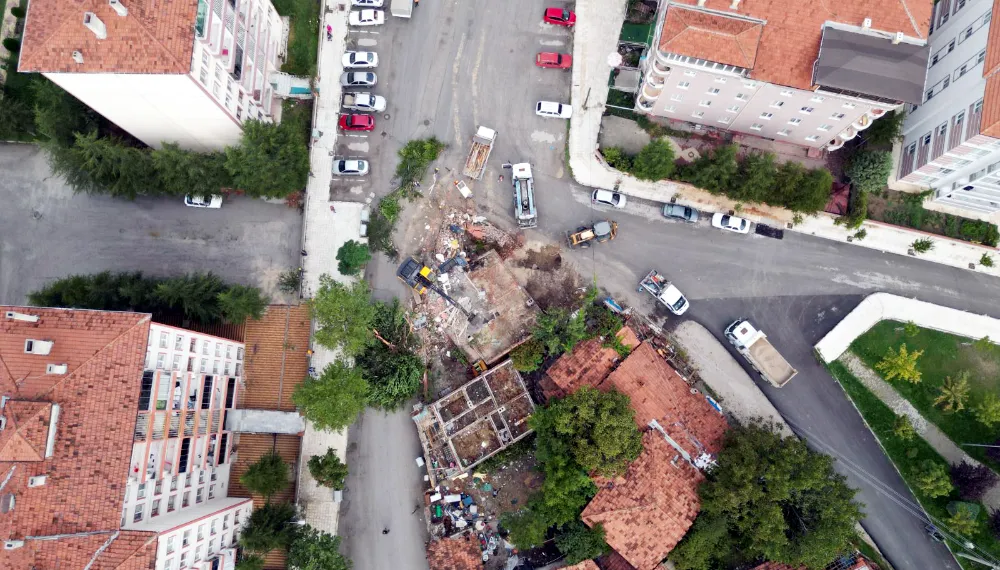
{"x":18,"y":12}
{"x":352,"y":257}
{"x":861,"y":234}
{"x":290,"y":281}
{"x":857,"y":212}
{"x":963,"y":519}
{"x":954,"y":393}
{"x":911,"y":329}
{"x":900,"y":364}
{"x":922,"y":245}
{"x":13,"y":45}
{"x":756,"y":178}
{"x":932,"y":479}
{"x":269,"y":527}
{"x":267,"y":476}
{"x":987,"y":411}
{"x":241,"y":302}
{"x":972,"y":481}
{"x":390,"y":207}
{"x":617,"y":158}
{"x":328,"y":470}
{"x":414,"y":158}
{"x":869,"y":170}
{"x":655,"y":161}
{"x":714,"y":171}
{"x":528,"y":357}
{"x":986,"y":260}
{"x":886,"y":130}
{"x":251,"y":562}
{"x":903,"y":428}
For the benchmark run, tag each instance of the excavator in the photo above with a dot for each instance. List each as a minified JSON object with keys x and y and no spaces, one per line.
{"x":420,"y":278}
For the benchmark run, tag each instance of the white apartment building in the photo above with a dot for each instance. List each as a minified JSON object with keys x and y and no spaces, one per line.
{"x":189,"y":72}
{"x":951,"y":140}
{"x":785,"y":70}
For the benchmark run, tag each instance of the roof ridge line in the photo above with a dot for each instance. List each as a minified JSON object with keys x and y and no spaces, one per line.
{"x":167,"y":50}
{"x":913,"y":22}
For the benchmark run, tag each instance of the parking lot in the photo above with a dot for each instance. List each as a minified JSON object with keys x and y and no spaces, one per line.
{"x":48,"y":232}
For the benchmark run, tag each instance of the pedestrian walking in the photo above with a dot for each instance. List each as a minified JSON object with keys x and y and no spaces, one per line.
{"x":385,"y":530}
{"x":332,"y":209}
{"x":501,"y":178}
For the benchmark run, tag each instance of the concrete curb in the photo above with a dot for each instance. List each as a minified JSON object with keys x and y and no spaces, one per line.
{"x":884,"y":306}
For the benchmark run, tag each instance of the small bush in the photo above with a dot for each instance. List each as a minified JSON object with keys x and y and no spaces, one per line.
{"x":986,"y":260}
{"x":328,"y":470}
{"x":857,"y":212}
{"x":903,"y":428}
{"x":290,"y":281}
{"x":528,"y":357}
{"x":18,"y":12}
{"x":861,"y":234}
{"x":922,"y":245}
{"x":654,"y":162}
{"x":869,"y":170}
{"x":932,"y":479}
{"x":13,"y":45}
{"x":972,"y":481}
{"x":352,"y":257}
{"x":390,"y":207}
{"x":618,"y":159}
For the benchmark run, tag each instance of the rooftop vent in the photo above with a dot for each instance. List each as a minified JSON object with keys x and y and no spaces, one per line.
{"x":15,"y":316}
{"x":734,"y":5}
{"x":6,"y":506}
{"x":41,"y":347}
{"x":78,"y":56}
{"x":56,"y":369}
{"x":3,"y":422}
{"x":95,"y":25}
{"x":867,"y":24}
{"x":898,"y":38}
{"x":50,"y":441}
{"x":37,"y":481}
{"x":119,"y":7}
{"x":13,"y":544}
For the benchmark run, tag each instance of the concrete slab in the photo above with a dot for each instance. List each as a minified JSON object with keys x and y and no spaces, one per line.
{"x":624,"y":133}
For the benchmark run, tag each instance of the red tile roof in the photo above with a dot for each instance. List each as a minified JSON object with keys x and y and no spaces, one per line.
{"x":125,"y":550}
{"x":789,"y":43}
{"x":585,"y":565}
{"x":711,"y":37}
{"x":98,"y":403}
{"x":614,"y":561}
{"x":457,"y":553}
{"x":155,"y":37}
{"x":991,"y":71}
{"x":276,"y":361}
{"x":647,"y":514}
{"x":587,"y":365}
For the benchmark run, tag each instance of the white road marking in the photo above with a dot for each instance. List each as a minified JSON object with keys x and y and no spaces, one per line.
{"x":542,"y":137}
{"x":454,"y":90}
{"x":475,"y":77}
{"x":358,"y":146}
{"x":552,"y":42}
{"x":365,"y":42}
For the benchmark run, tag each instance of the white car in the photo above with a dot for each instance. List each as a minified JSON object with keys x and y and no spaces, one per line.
{"x":348,"y":167}
{"x":730,"y":223}
{"x":672,"y":297}
{"x":553,"y":110}
{"x":608,"y":198}
{"x":366,"y":18}
{"x":213,"y":201}
{"x":361,"y":59}
{"x":358,"y":79}
{"x":367,"y":3}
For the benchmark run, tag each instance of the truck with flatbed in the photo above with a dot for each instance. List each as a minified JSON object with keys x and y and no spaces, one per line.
{"x":600,"y":232}
{"x":760,"y":353}
{"x":524,"y":196}
{"x":363,"y":102}
{"x":482,"y":146}
{"x":665,"y":292}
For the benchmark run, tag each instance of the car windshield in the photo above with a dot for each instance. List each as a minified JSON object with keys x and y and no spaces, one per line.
{"x":743,"y":224}
{"x":725,"y":220}
{"x":680,"y":304}
{"x":565,"y":15}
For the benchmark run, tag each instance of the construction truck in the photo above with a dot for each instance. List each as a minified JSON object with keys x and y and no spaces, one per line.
{"x":760,"y":353}
{"x":482,"y":145}
{"x":524,"y":196}
{"x":601,"y":232}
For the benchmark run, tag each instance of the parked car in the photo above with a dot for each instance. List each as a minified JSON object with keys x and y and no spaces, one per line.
{"x":608,"y":198}
{"x":357,"y":122}
{"x":553,"y":110}
{"x":358,"y":79}
{"x":367,"y":3}
{"x":366,"y":18}
{"x":679,"y":212}
{"x":213,"y":201}
{"x":350,"y":167}
{"x":554,"y":60}
{"x":730,"y":223}
{"x":559,"y":17}
{"x":361,"y":59}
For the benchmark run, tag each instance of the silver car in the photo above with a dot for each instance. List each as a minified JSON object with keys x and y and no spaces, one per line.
{"x":350,"y":167}
{"x":358,"y":79}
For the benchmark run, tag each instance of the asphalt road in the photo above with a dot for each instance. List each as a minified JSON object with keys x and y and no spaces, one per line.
{"x":48,"y":232}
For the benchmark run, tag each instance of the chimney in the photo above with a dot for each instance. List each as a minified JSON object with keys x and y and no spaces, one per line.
{"x":78,"y":56}
{"x":898,"y":38}
{"x":867,"y":24}
{"x":95,"y":25}
{"x":119,"y":7}
{"x":734,"y":5}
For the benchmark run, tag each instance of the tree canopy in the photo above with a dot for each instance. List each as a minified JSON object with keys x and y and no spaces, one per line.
{"x":269,"y":527}
{"x":184,"y":172}
{"x":654,"y":162}
{"x":334,"y":400}
{"x":343,"y":314}
{"x":240,"y":302}
{"x":714,"y":171}
{"x":313,"y":549}
{"x":271,"y":161}
{"x":578,"y":542}
{"x":103,"y":165}
{"x":267,"y":476}
{"x":328,"y":470}
{"x":352,"y":257}
{"x":869,"y":169}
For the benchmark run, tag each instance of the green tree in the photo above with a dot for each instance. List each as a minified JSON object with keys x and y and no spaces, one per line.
{"x":600,"y":427}
{"x":343,"y":315}
{"x":267,"y":476}
{"x":617,"y":158}
{"x":106,"y":166}
{"x":527,"y":528}
{"x":869,"y":170}
{"x":269,"y":527}
{"x":271,"y":161}
{"x":242,"y":302}
{"x":922,"y":245}
{"x":414,"y":158}
{"x":334,"y":400}
{"x":251,"y":562}
{"x":59,"y":116}
{"x":655,"y":161}
{"x":289,"y":281}
{"x":184,"y":172}
{"x":954,"y":393}
{"x":903,"y":428}
{"x":316,"y":550}
{"x":578,"y":542}
{"x":705,"y":543}
{"x":963,"y":520}
{"x":780,"y":500}
{"x":755,"y":182}
{"x":352,"y":257}
{"x":196,"y":294}
{"x":987,"y":411}
{"x":559,"y":332}
{"x":528,"y":356}
{"x":393,"y":375}
{"x":900,"y":364}
{"x":886,"y":130}
{"x":16,"y":118}
{"x":328,"y":470}
{"x":932,"y":479}
{"x":715,"y":171}
{"x":812,"y":191}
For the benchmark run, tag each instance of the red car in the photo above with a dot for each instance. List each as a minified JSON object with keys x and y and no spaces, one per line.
{"x":554,"y":60}
{"x":559,"y":17}
{"x":357,"y":122}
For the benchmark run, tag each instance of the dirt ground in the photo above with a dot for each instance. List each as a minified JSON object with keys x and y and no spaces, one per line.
{"x":549,"y":280}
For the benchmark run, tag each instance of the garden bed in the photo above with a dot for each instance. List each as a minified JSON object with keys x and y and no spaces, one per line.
{"x":944,"y":355}
{"x":903,"y":209}
{"x":303,"y":35}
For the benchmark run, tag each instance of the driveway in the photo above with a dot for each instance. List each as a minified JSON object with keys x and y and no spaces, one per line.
{"x":49,"y":232}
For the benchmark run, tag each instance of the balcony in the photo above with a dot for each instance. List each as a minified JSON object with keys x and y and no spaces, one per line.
{"x":835,"y":144}
{"x":848,"y":133}
{"x":863,"y":122}
{"x":660,"y":68}
{"x":650,"y":92}
{"x":655,"y":80}
{"x":645,"y":103}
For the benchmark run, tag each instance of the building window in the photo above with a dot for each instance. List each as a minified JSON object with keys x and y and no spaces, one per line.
{"x":172,"y":503}
{"x":683,"y":85}
{"x":201,"y":532}
{"x":824,"y":128}
{"x":756,"y":127}
{"x":225,"y":522}
{"x":215,"y":367}
{"x":720,"y":79}
{"x":205,"y":347}
{"x":204,"y":365}
{"x":163,"y":339}
{"x":212,"y":531}
{"x":229,"y":351}
{"x":669,"y":109}
{"x":675,"y":97}
{"x":724,"y":120}
{"x":176,"y":365}
{"x":194,"y":343}
{"x":849,"y":105}
{"x":217,"y":89}
{"x":187,"y":499}
{"x":170,"y":544}
{"x":741,"y":97}
{"x":173,"y":484}
{"x":777,"y":104}
{"x":690,"y":73}
{"x":817,"y":99}
{"x":794,"y":121}
{"x":783,"y":132}
{"x":766,"y":116}
{"x":160,"y":358}
{"x":733,"y":109}
{"x":806,"y":110}
{"x":199,"y":495}
{"x":155,"y":509}
{"x":211,"y":491}
{"x":981,"y":57}
{"x":705,"y":103}
{"x":218,"y":350}
{"x":698,"y":114}
{"x":749,"y":84}
{"x":158,"y":488}
{"x":239,"y":353}
{"x":137,"y":513}
{"x":837,"y":116}
{"x":786,"y":93}
{"x":225,"y":369}
{"x":951,"y":46}
{"x":812,"y":138}
{"x":713,"y":91}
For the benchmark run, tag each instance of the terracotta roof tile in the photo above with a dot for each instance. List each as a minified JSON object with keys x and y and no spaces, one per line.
{"x":789,"y":43}
{"x":456,"y":553}
{"x":991,"y":71}
{"x":587,"y":365}
{"x":585,"y":565}
{"x":27,"y":431}
{"x":647,"y":514}
{"x":276,"y":361}
{"x":614,"y":561}
{"x":711,"y":37}
{"x":155,"y":37}
{"x":125,"y":550}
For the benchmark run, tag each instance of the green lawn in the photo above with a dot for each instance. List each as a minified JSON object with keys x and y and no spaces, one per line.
{"x":639,"y":33}
{"x":303,"y":36}
{"x":907,"y":455}
{"x":944,"y":355}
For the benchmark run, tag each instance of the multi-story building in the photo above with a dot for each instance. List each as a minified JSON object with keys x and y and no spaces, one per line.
{"x":113,"y":444}
{"x":796,"y":72}
{"x":951,"y":140}
{"x":189,"y":72}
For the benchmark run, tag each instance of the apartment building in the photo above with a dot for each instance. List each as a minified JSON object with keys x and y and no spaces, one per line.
{"x":791,"y":71}
{"x":187,"y":71}
{"x":113,"y":444}
{"x":951,"y":140}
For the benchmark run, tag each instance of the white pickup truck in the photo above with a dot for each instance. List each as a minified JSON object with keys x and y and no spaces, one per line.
{"x":665,"y":292}
{"x":363,"y":102}
{"x":760,"y":353}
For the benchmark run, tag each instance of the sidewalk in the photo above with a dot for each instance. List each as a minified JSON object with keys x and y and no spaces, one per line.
{"x":596,"y":33}
{"x":7,"y":25}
